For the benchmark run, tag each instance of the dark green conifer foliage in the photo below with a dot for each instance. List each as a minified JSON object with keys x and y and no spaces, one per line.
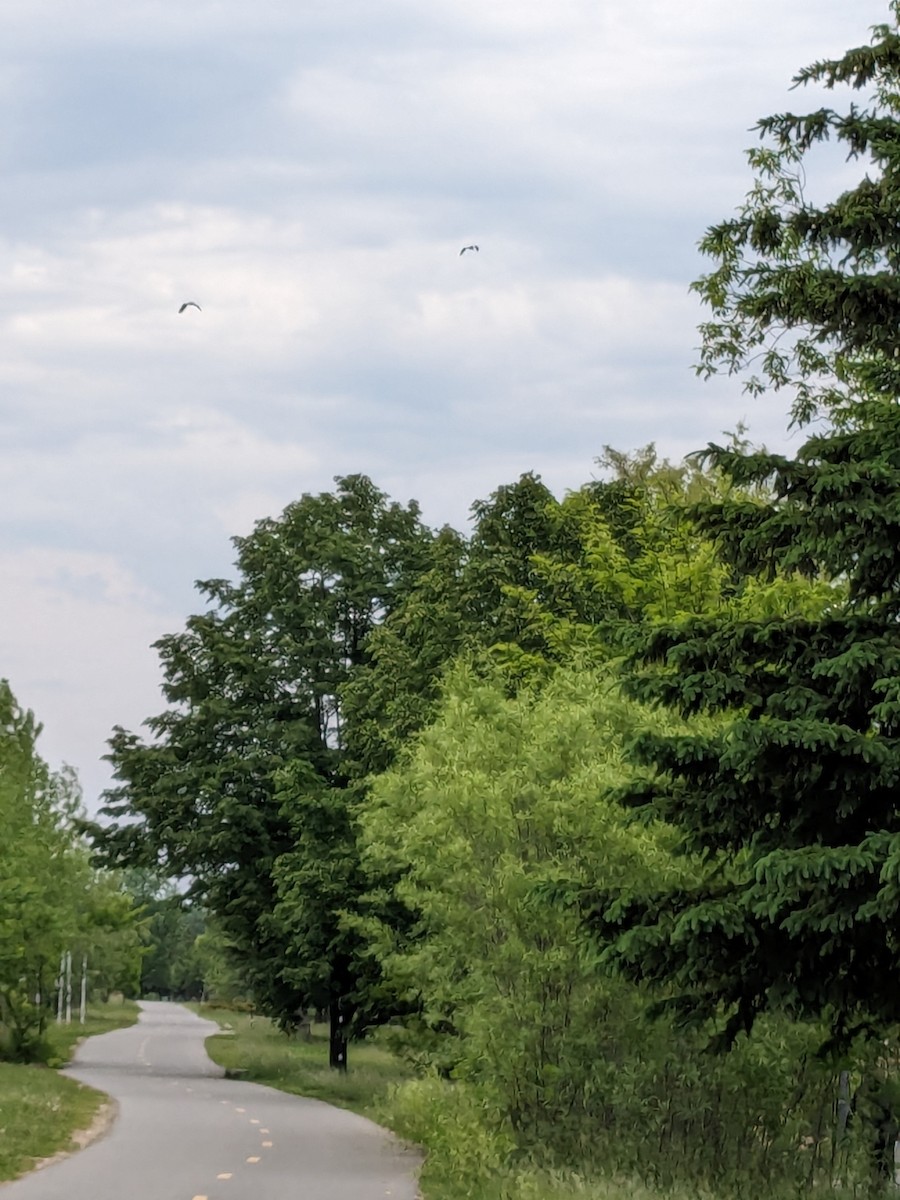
{"x":791,"y":804}
{"x":802,"y":292}
{"x":790,"y":800}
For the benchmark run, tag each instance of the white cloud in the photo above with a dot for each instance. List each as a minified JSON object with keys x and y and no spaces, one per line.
{"x":274,"y":300}
{"x":75,"y":636}
{"x":192,"y":457}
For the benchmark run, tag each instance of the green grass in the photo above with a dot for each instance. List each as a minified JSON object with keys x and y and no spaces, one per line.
{"x":535,"y":1185}
{"x":263,"y":1054}
{"x":41,"y":1110}
{"x":101,"y":1018}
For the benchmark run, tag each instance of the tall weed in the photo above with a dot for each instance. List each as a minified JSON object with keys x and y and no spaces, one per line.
{"x":660,"y":1112}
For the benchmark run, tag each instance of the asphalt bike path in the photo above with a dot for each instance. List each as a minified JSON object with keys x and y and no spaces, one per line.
{"x":184,"y":1132}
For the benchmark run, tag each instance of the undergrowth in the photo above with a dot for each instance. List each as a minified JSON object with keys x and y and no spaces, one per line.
{"x":638,"y":1144}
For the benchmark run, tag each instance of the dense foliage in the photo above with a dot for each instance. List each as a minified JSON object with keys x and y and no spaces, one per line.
{"x":502,"y":798}
{"x":52,"y":901}
{"x":807,"y":294}
{"x":254,"y":687}
{"x":791,"y":803}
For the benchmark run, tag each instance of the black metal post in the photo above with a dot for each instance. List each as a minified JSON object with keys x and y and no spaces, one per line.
{"x":337,"y":1048}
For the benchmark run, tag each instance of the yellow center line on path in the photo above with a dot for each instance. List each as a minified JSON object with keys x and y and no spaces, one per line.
{"x":268,"y":1145}
{"x":254,"y":1121}
{"x":240,"y":1110}
{"x":253,"y":1158}
{"x":264,"y":1131}
{"x":224,"y":1175}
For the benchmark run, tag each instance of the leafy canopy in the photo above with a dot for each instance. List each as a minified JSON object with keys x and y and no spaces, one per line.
{"x":51,"y":900}
{"x":253,"y":686}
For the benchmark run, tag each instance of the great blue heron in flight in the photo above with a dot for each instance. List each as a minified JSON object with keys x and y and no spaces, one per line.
{"x":188,"y":304}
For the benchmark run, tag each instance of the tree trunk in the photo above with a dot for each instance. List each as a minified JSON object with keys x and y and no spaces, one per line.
{"x":337,"y":1048}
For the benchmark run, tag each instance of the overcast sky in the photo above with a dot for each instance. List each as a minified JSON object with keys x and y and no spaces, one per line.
{"x":307,"y":171}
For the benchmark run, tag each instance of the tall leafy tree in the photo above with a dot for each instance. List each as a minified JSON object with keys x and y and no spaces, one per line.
{"x":393,"y":694}
{"x":466,"y":599}
{"x":169,"y":929}
{"x":253,"y":686}
{"x":51,"y":901}
{"x":539,"y":581}
{"x":626,"y":553}
{"x":34,"y":921}
{"x":501,"y":797}
{"x":319,"y":880}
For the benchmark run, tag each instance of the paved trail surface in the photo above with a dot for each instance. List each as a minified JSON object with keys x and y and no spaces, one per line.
{"x":183,"y":1132}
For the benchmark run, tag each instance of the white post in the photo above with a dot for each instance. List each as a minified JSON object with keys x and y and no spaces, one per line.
{"x":68,"y":987}
{"x":59,"y":989}
{"x":83,"y":989}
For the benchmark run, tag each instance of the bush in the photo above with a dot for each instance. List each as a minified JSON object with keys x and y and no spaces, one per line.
{"x":24,"y":1046}
{"x":465,"y":1140}
{"x":673,"y":1123}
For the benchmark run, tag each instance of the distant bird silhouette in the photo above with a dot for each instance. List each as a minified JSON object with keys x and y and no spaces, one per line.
{"x":465,"y":248}
{"x":188,"y":303}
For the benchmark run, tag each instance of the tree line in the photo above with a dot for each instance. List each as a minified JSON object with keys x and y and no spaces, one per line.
{"x":55,"y":906}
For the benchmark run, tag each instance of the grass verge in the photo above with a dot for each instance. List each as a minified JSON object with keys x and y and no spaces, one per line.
{"x":41,"y":1110}
{"x":256,"y":1048}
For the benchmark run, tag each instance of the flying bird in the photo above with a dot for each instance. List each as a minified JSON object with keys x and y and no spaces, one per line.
{"x":188,"y":303}
{"x":465,"y":248}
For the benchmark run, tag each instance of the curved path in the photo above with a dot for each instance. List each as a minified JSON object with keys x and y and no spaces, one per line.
{"x":183,"y":1132}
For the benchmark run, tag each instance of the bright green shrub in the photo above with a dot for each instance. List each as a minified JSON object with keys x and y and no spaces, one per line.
{"x":502,"y":809}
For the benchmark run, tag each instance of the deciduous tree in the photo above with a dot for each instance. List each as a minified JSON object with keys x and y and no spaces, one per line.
{"x":254,"y":686}
{"x":51,"y":900}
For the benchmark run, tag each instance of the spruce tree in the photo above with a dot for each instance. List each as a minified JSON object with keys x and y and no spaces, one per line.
{"x":788,"y":801}
{"x":807,"y":295}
